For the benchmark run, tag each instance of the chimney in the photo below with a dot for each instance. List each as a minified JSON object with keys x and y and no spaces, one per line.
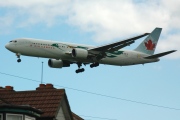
{"x":49,"y":86}
{"x":6,"y":89}
{"x":9,"y":88}
{"x":42,"y":86}
{"x":45,"y":87}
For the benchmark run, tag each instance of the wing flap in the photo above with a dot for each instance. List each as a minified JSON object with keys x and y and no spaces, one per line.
{"x":120,"y":46}
{"x":160,"y":54}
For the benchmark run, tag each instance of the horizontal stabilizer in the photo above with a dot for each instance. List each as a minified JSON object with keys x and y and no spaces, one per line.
{"x":160,"y":54}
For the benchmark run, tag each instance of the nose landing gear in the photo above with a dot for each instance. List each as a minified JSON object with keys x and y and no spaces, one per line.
{"x":18,"y":56}
{"x":19,"y":60}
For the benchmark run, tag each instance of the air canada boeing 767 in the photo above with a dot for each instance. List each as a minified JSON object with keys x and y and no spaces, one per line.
{"x":63,"y":54}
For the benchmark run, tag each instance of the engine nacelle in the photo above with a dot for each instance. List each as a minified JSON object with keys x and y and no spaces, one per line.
{"x":57,"y":63}
{"x":79,"y":53}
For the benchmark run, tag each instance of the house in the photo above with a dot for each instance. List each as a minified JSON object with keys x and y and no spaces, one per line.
{"x":47,"y":102}
{"x":13,"y":112}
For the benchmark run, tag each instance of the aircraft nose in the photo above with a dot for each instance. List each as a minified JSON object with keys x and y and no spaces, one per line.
{"x":7,"y":46}
{"x":11,"y":47}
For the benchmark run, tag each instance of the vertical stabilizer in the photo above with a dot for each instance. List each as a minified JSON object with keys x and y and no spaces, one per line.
{"x":148,"y":46}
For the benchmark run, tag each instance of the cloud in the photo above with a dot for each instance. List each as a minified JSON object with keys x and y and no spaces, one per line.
{"x":107,"y":20}
{"x":118,"y":19}
{"x":32,"y":12}
{"x":170,"y":42}
{"x":5,"y":23}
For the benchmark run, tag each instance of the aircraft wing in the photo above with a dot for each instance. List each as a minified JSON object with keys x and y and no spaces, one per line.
{"x":114,"y":46}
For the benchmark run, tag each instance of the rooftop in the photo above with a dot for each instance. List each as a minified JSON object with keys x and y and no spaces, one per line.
{"x":45,"y":98}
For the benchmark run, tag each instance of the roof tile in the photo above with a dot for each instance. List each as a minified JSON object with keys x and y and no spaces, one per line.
{"x":47,"y":100}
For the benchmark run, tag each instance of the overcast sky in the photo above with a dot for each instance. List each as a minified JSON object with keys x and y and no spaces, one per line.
{"x":98,"y":22}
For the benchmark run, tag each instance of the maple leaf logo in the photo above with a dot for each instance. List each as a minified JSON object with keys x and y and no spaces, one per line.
{"x":150,"y":45}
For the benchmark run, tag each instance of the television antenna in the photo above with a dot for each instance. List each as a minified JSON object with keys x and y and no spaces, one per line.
{"x":42,"y":73}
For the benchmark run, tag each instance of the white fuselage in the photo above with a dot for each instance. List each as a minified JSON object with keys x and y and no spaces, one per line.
{"x":61,"y":50}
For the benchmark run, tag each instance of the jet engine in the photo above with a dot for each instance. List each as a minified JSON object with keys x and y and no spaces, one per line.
{"x":57,"y":63}
{"x":79,"y":53}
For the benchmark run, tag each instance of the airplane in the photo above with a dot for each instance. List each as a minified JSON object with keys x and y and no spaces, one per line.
{"x":61,"y":54}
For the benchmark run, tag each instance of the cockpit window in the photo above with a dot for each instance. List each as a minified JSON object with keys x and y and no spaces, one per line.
{"x":13,"y":41}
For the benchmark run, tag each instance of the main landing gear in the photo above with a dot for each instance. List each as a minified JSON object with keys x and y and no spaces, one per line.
{"x":79,"y":68}
{"x":18,"y":56}
{"x":94,"y":65}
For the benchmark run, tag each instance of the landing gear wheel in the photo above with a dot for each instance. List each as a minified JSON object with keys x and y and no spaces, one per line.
{"x":19,"y":60}
{"x":80,"y":70}
{"x":77,"y":71}
{"x":94,"y":65}
{"x":18,"y":56}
